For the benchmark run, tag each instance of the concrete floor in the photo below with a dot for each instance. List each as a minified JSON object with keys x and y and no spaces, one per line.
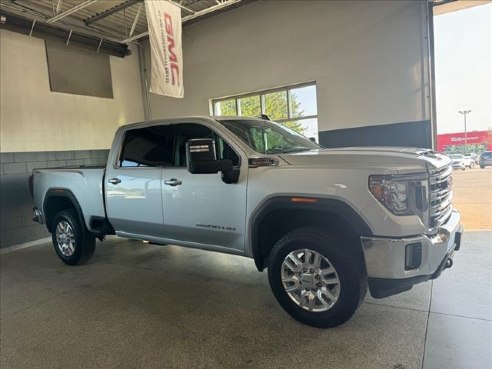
{"x":143,"y":306}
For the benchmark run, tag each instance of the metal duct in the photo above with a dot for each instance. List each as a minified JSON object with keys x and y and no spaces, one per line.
{"x":46,"y":31}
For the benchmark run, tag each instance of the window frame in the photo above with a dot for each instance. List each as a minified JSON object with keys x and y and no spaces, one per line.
{"x":262,"y":94}
{"x":161,"y":167}
{"x":116,"y":164}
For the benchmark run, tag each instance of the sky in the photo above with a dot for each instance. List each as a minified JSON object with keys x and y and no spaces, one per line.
{"x":463,"y":61}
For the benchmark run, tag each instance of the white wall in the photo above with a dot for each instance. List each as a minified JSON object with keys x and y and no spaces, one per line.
{"x":35,"y":119}
{"x":367,"y":57}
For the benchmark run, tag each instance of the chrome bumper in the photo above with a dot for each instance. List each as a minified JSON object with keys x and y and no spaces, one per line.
{"x":385,"y":257}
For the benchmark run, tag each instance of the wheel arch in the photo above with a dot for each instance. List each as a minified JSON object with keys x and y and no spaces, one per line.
{"x":58,"y":199}
{"x":279,"y":215}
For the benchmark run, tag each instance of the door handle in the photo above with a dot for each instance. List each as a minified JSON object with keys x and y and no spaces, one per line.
{"x":114,"y":181}
{"x":173,"y":182}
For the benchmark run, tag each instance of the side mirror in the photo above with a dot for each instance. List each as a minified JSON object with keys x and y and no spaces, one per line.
{"x":202,"y":158}
{"x":312,"y":139}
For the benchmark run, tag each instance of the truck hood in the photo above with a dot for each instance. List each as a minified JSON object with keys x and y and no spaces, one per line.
{"x":401,"y":159}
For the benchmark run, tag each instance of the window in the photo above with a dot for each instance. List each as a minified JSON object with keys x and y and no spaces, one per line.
{"x":293,"y":106}
{"x":165,"y":145}
{"x":148,"y":147}
{"x":268,"y":137}
{"x":191,"y":131}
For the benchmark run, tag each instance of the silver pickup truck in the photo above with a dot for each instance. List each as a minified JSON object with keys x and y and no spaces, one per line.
{"x":327,"y":223}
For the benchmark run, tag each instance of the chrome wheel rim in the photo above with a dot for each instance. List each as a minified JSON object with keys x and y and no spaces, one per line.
{"x":65,"y":238}
{"x":310,"y":280}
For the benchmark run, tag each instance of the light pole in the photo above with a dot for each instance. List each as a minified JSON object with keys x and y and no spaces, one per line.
{"x":465,"y":112}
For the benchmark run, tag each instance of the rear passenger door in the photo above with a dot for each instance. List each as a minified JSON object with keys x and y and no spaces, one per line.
{"x":133,"y":185}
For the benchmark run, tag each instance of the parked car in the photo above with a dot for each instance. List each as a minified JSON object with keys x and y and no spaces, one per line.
{"x":327,"y":223}
{"x":458,"y":161}
{"x":472,"y":156}
{"x":485,"y":159}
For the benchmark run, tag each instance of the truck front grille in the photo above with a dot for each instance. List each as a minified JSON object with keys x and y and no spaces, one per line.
{"x":441,"y":196}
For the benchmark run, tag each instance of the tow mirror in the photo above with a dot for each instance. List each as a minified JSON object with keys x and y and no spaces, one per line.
{"x":202,"y":158}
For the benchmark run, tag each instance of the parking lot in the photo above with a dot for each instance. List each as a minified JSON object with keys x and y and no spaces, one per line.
{"x":472,"y":189}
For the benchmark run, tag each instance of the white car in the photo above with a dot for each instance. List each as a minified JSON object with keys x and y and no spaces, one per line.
{"x":459,"y":161}
{"x":473,"y":157}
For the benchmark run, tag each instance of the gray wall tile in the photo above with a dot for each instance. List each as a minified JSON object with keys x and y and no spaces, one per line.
{"x":36,"y":165}
{"x":6,"y":157}
{"x":12,"y":168}
{"x":24,"y":157}
{"x":16,"y":225}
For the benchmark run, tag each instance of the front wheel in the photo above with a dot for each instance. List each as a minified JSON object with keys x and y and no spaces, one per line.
{"x":73,"y":243}
{"x":315,"y":278}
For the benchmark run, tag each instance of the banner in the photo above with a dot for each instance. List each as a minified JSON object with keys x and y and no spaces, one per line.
{"x":166,"y":54}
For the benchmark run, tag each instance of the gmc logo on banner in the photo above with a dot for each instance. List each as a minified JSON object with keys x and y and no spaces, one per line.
{"x":170,"y":45}
{"x":166,"y":48}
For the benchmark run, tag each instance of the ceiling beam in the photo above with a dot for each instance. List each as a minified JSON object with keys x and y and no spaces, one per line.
{"x":137,"y":17}
{"x":71,"y":11}
{"x":222,"y":4}
{"x":111,"y":11}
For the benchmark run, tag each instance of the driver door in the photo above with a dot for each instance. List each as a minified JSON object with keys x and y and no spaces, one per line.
{"x":201,"y":208}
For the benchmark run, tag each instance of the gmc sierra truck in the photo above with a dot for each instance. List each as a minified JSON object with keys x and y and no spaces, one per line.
{"x":327,"y":223}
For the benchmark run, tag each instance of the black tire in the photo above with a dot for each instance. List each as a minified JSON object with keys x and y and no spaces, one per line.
{"x":84,"y":242}
{"x":351,"y":274}
{"x":482,"y":166}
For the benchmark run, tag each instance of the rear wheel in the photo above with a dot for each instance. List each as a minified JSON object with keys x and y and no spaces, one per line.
{"x":315,"y":278}
{"x":73,"y":243}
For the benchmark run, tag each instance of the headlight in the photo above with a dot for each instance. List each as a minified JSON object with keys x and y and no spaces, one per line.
{"x":392,"y":192}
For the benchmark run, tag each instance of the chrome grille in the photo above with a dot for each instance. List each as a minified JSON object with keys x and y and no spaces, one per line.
{"x":441,"y":195}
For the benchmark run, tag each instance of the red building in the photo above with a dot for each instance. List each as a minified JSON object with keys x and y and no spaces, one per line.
{"x":458,"y":139}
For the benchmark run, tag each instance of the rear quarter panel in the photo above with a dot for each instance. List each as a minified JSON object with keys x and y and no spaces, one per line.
{"x":84,"y":183}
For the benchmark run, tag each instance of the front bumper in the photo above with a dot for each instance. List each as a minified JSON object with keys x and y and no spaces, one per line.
{"x":386,"y":258}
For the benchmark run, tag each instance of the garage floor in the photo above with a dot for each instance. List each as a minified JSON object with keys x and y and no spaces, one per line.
{"x":144,"y":306}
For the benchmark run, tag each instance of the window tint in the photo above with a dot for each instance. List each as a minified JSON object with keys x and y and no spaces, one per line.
{"x":147,"y":147}
{"x":191,"y":131}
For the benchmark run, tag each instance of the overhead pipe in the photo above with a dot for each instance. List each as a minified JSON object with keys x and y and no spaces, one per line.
{"x":46,"y":31}
{"x":71,"y":11}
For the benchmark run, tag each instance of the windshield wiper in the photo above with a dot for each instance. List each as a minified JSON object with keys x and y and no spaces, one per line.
{"x":288,"y":150}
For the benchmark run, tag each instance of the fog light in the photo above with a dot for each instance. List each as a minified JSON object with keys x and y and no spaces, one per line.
{"x":413,"y":255}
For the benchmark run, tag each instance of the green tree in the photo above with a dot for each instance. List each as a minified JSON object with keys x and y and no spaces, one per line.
{"x":275,"y":107}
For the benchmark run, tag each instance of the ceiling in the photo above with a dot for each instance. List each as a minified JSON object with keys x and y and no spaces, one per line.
{"x":124,"y":21}
{"x":446,"y":6}
{"x":114,"y":20}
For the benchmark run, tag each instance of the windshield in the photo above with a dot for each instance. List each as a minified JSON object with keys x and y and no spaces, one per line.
{"x":268,"y":137}
{"x":456,"y":156}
